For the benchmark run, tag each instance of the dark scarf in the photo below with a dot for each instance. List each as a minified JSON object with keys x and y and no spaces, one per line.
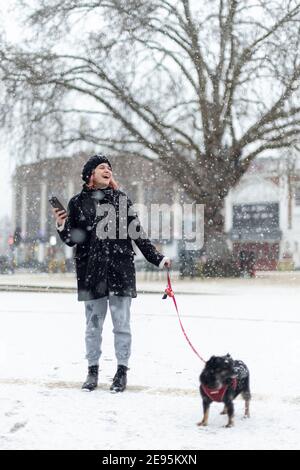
{"x":98,"y":194}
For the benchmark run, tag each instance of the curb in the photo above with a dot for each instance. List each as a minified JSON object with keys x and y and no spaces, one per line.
{"x":73,"y":290}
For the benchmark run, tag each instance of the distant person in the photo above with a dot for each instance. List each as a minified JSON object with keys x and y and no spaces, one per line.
{"x":105,"y":266}
{"x":182,"y":255}
{"x":251,"y":264}
{"x":243,"y":262}
{"x":191,"y":265}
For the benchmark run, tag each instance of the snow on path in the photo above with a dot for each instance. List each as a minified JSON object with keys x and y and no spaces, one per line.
{"x":42,"y":367}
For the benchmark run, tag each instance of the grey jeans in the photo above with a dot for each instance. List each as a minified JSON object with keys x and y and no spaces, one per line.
{"x":95,"y":311}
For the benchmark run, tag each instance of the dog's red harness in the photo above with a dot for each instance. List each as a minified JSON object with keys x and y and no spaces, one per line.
{"x":218,"y":394}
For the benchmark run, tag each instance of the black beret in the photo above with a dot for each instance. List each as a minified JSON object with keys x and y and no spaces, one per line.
{"x":91,"y":164}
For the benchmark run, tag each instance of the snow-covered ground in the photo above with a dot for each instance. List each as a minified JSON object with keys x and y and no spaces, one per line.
{"x":42,"y":367}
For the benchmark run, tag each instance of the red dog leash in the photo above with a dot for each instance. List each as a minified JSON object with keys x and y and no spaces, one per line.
{"x":169,"y":292}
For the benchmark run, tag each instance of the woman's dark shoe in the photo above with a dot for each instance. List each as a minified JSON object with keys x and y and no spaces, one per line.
{"x":92,"y":379}
{"x":119,"y":380}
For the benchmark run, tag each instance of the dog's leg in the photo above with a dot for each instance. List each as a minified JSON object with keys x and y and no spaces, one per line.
{"x":205,"y":419}
{"x":230,"y":414}
{"x":224,"y":412}
{"x":246,"y":394}
{"x":206,"y":404}
{"x":247,"y":409}
{"x":247,"y":398}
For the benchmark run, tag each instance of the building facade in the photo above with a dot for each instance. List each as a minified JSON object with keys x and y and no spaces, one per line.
{"x":262,"y":213}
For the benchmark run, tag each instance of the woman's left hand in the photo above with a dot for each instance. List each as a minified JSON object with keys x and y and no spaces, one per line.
{"x":168,"y":264}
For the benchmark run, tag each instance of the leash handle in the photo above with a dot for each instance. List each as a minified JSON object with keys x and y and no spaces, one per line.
{"x":169,"y":293}
{"x":165,"y":296}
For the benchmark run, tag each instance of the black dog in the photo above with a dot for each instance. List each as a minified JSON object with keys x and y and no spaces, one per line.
{"x":222,"y":380}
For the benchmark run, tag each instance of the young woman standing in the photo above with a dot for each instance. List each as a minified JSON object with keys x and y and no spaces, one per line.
{"x":105,"y":264}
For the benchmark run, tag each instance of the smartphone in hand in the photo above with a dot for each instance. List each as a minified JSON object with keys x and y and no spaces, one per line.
{"x":56,"y":204}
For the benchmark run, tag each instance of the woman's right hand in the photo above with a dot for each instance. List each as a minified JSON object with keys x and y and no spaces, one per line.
{"x":60,"y":216}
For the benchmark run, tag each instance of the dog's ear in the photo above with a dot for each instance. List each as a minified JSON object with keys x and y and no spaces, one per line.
{"x":228,"y":361}
{"x":210,"y":361}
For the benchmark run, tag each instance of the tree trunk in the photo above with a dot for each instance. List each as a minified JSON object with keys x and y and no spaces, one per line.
{"x":215,"y":239}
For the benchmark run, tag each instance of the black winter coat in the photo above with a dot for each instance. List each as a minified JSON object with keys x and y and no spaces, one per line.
{"x":103,"y":265}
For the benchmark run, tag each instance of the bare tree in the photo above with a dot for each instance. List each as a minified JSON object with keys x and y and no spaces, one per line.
{"x":205,"y":87}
